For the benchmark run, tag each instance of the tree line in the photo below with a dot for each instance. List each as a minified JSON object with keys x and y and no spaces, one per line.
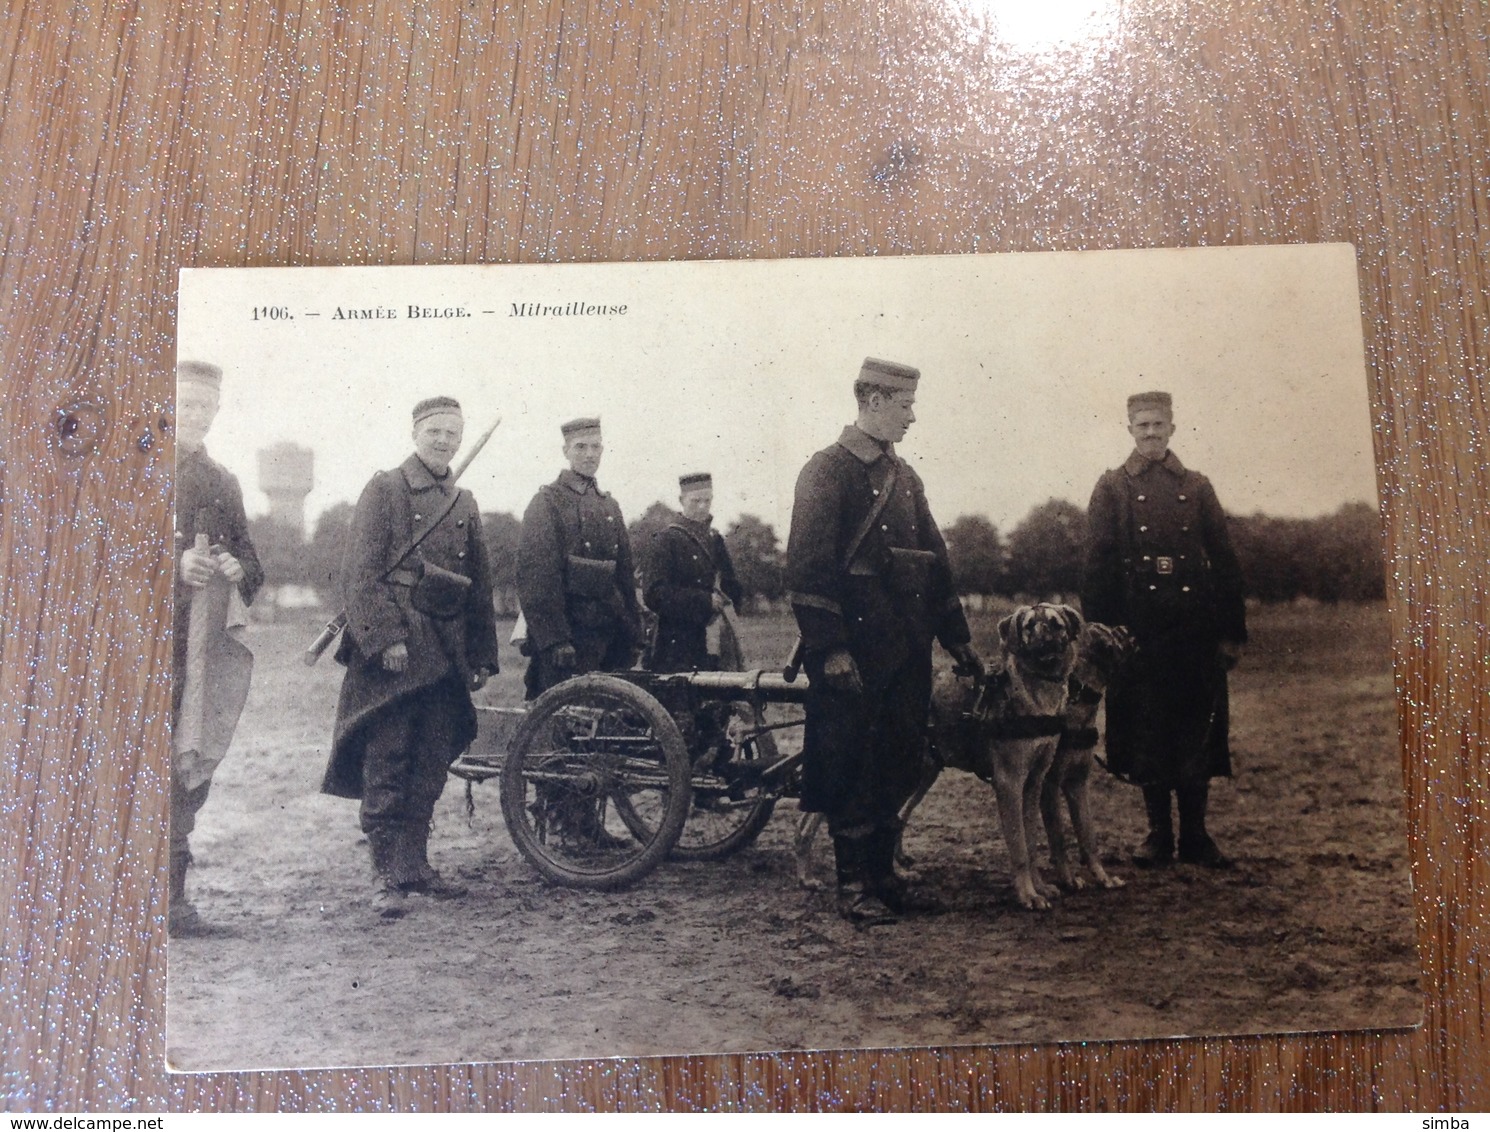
{"x":1331,"y":558}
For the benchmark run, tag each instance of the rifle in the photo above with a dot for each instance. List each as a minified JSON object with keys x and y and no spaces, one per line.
{"x":335,"y":626}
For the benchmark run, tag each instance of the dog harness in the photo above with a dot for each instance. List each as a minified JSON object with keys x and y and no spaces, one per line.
{"x":1081,"y":738}
{"x":1013,"y":726}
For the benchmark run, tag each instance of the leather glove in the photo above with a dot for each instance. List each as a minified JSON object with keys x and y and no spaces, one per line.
{"x":967,"y":662}
{"x":841,"y":673}
{"x":561,"y":658}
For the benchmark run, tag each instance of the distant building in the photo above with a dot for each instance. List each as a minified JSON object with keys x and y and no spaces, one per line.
{"x":286,"y":476}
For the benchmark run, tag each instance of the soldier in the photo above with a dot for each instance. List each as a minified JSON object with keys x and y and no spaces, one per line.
{"x":692,"y":581}
{"x":420,"y":637}
{"x":575,"y":578}
{"x":871,"y":587}
{"x":217,"y":576}
{"x":1159,"y":560}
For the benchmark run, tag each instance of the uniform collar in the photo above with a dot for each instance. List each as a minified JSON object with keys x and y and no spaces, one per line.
{"x":1137,"y":464}
{"x":577,"y":483}
{"x":418,"y":476}
{"x":864,"y":446}
{"x":702,"y":530}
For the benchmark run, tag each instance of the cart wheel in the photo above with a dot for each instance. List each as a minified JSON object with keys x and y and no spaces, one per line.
{"x":731,"y":804}
{"x":586,"y":749}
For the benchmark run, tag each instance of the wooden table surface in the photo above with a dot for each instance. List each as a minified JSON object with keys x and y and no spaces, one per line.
{"x":135,"y":139}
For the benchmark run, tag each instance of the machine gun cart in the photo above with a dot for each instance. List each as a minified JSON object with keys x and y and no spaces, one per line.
{"x":606,"y":775}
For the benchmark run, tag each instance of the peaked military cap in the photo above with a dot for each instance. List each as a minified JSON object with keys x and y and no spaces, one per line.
{"x":889,"y":375}
{"x":695,"y":480}
{"x":580,"y":424}
{"x":199,"y":373}
{"x":432,"y":405}
{"x":1155,"y":400}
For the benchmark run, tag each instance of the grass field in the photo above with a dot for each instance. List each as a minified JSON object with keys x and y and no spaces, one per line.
{"x":1313,"y":930}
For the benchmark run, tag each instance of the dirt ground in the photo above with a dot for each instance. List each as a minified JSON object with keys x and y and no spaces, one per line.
{"x":1312,"y":931}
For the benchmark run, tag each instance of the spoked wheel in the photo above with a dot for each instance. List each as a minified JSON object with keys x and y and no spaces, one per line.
{"x":731,"y":801}
{"x":589,"y":749}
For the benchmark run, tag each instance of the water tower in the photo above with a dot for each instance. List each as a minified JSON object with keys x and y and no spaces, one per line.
{"x":286,"y":475}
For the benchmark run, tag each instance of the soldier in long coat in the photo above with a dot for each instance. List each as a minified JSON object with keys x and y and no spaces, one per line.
{"x":209,"y":513}
{"x":690,"y":579}
{"x":576,"y":578}
{"x":871,"y":589}
{"x":1160,"y":561}
{"x":420,"y":637}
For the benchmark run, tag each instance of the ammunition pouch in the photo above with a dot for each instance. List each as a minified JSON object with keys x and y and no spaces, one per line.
{"x":439,"y":593}
{"x":910,"y":571}
{"x":590,"y":577}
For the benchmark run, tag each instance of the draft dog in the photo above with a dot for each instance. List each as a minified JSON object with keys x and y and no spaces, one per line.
{"x":1100,"y":649}
{"x":1006,"y":727}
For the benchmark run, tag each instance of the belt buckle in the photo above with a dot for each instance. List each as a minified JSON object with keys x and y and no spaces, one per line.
{"x":1164,"y":564}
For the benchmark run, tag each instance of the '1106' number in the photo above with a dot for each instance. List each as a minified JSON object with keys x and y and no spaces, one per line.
{"x":272,"y":314}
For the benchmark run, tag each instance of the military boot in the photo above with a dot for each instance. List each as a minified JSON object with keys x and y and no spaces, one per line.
{"x":582,"y":821}
{"x":858,"y":902}
{"x":389,"y":900}
{"x":1157,"y":849}
{"x":897,"y":893}
{"x":1196,"y":846}
{"x":430,"y":881}
{"x":182,"y":918}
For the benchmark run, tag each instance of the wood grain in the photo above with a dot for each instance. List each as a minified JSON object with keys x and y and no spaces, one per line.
{"x":135,"y":139}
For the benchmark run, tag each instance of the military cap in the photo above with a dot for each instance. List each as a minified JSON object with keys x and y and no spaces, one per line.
{"x":580,"y":424}
{"x":1155,"y":400}
{"x":432,"y":405}
{"x":199,"y":373}
{"x":694,"y":480}
{"x":889,"y":375}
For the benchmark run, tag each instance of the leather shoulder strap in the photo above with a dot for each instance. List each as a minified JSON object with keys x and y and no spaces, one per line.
{"x":881,"y":501}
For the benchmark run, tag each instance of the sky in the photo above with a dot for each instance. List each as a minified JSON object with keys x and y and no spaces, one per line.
{"x":745,"y":368}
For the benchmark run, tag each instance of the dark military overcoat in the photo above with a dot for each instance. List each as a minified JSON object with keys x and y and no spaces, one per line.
{"x":689,"y":559}
{"x":576,"y":578}
{"x":394,"y":506}
{"x":208,"y":501}
{"x":867,"y":571}
{"x":1160,"y":561}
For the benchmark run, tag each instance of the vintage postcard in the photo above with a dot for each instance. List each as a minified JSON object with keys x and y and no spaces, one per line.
{"x":609,"y":660}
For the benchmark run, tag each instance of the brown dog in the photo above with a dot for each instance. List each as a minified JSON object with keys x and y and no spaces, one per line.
{"x":1005,"y":728}
{"x":1099,"y":651}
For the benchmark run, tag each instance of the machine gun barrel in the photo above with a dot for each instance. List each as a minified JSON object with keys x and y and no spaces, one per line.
{"x":770,"y":686}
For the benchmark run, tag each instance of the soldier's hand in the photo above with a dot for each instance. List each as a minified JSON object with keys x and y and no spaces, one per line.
{"x":841,"y":673}
{"x":229,"y":567}
{"x":1231,"y":653}
{"x":967,"y":662}
{"x":197,"y":567}
{"x":561,"y":658}
{"x":396,"y":657}
{"x":480,"y":677}
{"x":719,"y":601}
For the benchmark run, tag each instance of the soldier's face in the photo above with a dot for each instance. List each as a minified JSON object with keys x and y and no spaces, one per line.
{"x":583,"y":451}
{"x":437,"y":439}
{"x":895,"y":415}
{"x":697,"y":503}
{"x":1151,"y":430}
{"x":196,"y":408}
